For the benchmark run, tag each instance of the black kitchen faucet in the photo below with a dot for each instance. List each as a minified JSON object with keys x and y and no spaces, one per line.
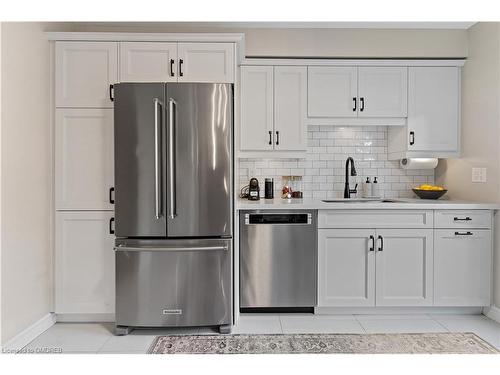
{"x":347,"y":190}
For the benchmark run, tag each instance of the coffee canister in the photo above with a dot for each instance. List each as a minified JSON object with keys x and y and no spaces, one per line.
{"x":269,"y":188}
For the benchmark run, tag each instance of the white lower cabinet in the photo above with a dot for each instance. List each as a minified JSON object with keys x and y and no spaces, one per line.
{"x":85,"y":265}
{"x":462,"y":267}
{"x":346,"y":267}
{"x":368,"y":267}
{"x":404,"y":267}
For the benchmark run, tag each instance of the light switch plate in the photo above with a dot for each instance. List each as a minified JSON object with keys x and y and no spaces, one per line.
{"x":478,"y":174}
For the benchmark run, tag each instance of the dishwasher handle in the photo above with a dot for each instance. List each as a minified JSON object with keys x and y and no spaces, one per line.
{"x":278,"y":219}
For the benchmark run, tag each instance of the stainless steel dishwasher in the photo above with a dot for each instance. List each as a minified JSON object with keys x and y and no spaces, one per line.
{"x":278,"y":259}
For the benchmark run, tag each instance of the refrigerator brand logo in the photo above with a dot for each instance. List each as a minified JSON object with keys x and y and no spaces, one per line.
{"x":172,"y":312}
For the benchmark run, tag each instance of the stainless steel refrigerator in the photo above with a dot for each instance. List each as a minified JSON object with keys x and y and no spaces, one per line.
{"x":173,"y":204}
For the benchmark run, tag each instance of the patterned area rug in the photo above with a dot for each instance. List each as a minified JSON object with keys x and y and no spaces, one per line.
{"x":411,"y":343}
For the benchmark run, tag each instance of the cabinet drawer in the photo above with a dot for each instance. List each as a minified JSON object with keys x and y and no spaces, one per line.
{"x":462,"y":219}
{"x":375,"y":219}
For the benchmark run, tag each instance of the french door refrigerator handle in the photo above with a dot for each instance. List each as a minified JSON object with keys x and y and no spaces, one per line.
{"x":171,"y":159}
{"x":188,"y":248}
{"x":157,"y":106}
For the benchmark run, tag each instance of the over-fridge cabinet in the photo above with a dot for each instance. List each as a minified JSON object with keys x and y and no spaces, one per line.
{"x":85,"y":72}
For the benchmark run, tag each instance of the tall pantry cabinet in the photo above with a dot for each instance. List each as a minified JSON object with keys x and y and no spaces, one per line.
{"x":84,"y":259}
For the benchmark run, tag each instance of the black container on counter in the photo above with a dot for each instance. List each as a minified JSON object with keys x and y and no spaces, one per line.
{"x":269,"y":188}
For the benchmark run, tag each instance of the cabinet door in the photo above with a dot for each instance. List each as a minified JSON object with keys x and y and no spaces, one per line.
{"x":256,"y":108}
{"x":332,"y":91}
{"x":84,"y":260}
{"x":433,"y":108}
{"x":84,"y":158}
{"x":84,"y":71}
{"x":404,"y":267}
{"x":382,"y":91}
{"x":346,"y":267}
{"x":290,"y":101}
{"x":148,"y":62}
{"x":462,"y":267}
{"x":206,"y":62}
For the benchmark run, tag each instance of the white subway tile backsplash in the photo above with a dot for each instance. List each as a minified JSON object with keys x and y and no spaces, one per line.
{"x":323,"y":169}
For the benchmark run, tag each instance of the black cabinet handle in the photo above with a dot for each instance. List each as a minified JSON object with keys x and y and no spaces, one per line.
{"x":181,"y":61}
{"x":277,"y":138}
{"x":355,"y":104}
{"x":372,"y":246}
{"x":362,"y":104}
{"x":460,"y":219}
{"x":172,"y":67}
{"x":111,"y":191}
{"x":111,"y":228}
{"x":270,"y":137}
{"x":381,"y":247}
{"x":111,"y":93}
{"x":412,"y":138}
{"x":463,"y":234}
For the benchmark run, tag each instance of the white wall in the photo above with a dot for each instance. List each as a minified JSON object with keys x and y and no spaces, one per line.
{"x":480,"y":127}
{"x":26,"y":178}
{"x":319,"y":42}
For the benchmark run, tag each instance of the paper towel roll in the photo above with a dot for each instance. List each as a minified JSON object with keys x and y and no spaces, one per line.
{"x":419,"y":163}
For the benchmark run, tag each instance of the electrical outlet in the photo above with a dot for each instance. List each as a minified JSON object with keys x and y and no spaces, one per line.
{"x":478,"y":174}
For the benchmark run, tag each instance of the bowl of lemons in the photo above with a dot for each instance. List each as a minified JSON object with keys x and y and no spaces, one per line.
{"x":426,"y":191}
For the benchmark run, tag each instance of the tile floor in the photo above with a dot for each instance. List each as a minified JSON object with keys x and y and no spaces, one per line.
{"x":99,"y":338}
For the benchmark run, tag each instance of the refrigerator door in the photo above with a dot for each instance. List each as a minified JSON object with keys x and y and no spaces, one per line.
{"x":199,"y":153}
{"x":173,"y":282}
{"x":139,"y":113}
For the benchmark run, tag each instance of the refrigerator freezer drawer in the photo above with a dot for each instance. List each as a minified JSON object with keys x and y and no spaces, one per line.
{"x":173,"y":283}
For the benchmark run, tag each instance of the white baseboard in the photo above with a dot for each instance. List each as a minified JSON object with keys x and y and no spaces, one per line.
{"x":493,"y":313}
{"x":29,"y":334}
{"x":85,"y":318}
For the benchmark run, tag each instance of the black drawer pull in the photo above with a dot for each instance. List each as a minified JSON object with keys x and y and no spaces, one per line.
{"x":111,"y":93}
{"x":372,"y":245}
{"x":463,"y":233}
{"x":460,"y":219}
{"x":270,"y":137}
{"x":412,"y":138}
{"x":362,"y":104}
{"x":355,"y":104}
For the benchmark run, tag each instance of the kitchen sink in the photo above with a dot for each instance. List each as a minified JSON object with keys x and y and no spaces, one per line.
{"x":359,"y":200}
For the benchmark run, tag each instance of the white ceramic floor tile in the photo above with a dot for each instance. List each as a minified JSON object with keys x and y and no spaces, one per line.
{"x":392,"y":325}
{"x":74,"y":337}
{"x":482,"y":326}
{"x":393,"y":316}
{"x":320,"y":324}
{"x":258,"y":324}
{"x":129,"y":343}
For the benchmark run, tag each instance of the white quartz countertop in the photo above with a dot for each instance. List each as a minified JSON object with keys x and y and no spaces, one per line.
{"x":391,"y":204}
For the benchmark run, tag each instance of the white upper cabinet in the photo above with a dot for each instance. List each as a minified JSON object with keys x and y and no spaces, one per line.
{"x":462,"y":267}
{"x":273,"y":109}
{"x":84,"y":263}
{"x":382,"y":91}
{"x":346,"y":267}
{"x":256,"y":108}
{"x":404,"y":267}
{"x":290,"y":102}
{"x":332,"y":91}
{"x":433,"y":108}
{"x":206,"y":62}
{"x":84,"y":73}
{"x":148,"y":62}
{"x":83,"y":158}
